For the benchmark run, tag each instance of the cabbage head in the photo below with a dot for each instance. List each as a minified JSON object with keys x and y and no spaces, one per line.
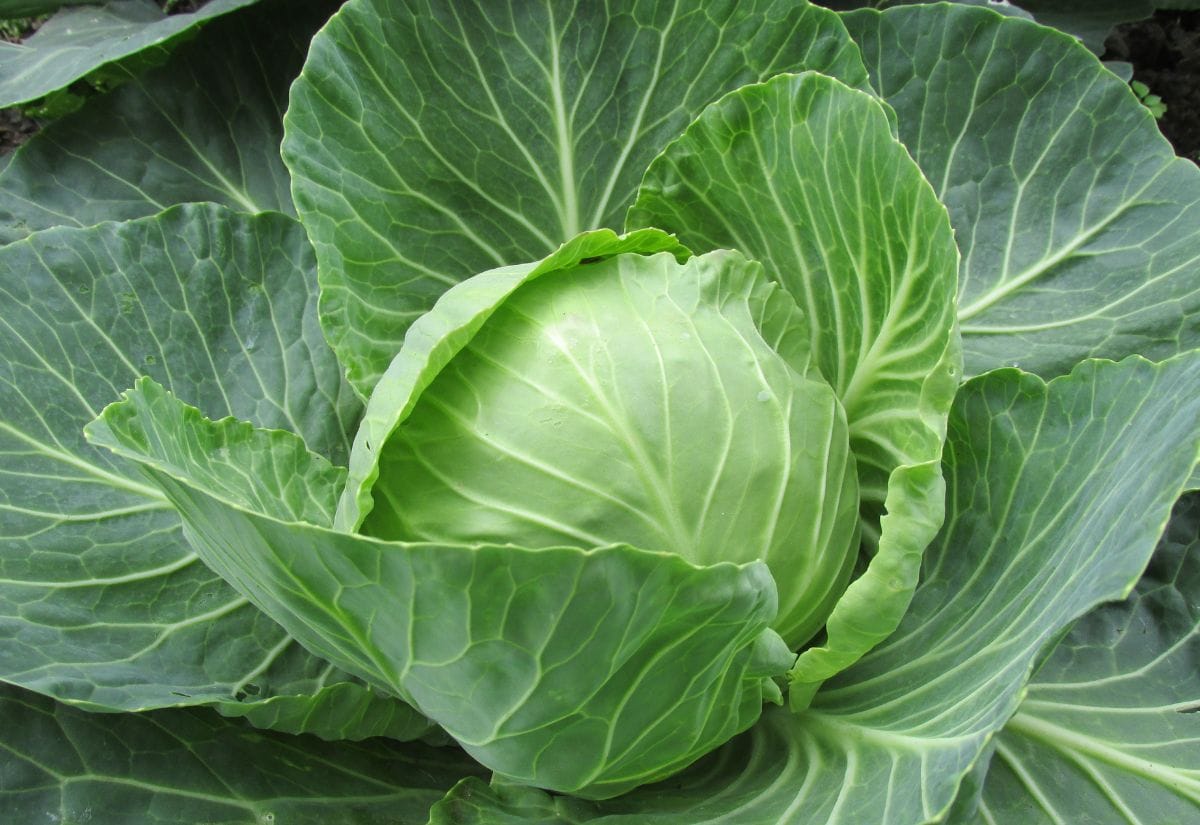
{"x":631,"y":400}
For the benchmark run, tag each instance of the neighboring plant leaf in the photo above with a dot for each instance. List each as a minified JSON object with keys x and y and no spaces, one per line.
{"x":81,"y":39}
{"x":29,"y":8}
{"x":588,"y":672}
{"x":183,"y":767}
{"x":102,"y":602}
{"x":876,"y":275}
{"x":1108,"y":730}
{"x":1056,"y":496}
{"x":155,"y":142}
{"x":1079,"y":228}
{"x":430,"y":142}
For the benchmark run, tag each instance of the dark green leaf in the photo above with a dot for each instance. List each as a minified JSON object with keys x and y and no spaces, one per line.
{"x":80,"y":39}
{"x":102,"y":602}
{"x":1108,"y":731}
{"x":1079,"y":228}
{"x":205,"y":126}
{"x":186,"y":767}
{"x":1089,"y":20}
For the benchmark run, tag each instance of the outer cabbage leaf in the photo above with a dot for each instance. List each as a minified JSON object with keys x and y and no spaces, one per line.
{"x":81,"y":39}
{"x":1079,"y":228}
{"x":153,"y":142}
{"x":1108,"y":729}
{"x":183,"y":767}
{"x":589,"y":672}
{"x":804,"y":173}
{"x":1056,"y":496}
{"x":102,"y":602}
{"x":430,"y":141}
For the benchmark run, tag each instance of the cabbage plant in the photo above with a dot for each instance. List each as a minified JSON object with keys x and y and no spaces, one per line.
{"x":666,"y":414}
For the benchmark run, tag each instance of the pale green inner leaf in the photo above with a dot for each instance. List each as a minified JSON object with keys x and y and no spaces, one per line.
{"x":636,"y":401}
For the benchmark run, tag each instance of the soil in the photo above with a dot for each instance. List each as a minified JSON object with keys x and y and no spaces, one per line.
{"x":15,"y":129}
{"x":15,"y":126}
{"x":1165,"y":53}
{"x":181,"y":6}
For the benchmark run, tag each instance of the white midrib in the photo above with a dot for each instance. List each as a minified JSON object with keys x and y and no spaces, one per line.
{"x":1184,"y":782}
{"x":235,"y":193}
{"x":1007,"y":286}
{"x":566,"y":156}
